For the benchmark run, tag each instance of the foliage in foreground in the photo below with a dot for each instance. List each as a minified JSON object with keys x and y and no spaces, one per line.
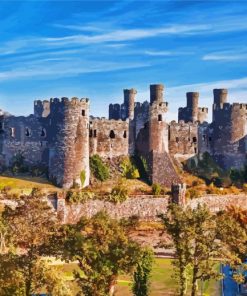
{"x":199,"y":237}
{"x":103,"y":249}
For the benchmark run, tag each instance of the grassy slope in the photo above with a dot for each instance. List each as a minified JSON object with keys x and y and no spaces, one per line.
{"x":24,"y":184}
{"x":162,"y":281}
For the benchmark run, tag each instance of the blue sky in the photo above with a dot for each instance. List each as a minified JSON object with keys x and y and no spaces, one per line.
{"x":95,"y":49}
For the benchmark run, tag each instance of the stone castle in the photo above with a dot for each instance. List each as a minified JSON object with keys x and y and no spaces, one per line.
{"x":62,"y":135}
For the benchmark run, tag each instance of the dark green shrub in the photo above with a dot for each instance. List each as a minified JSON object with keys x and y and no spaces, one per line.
{"x":156,"y":189}
{"x":129,"y":169}
{"x":98,"y":168}
{"x":76,"y":196}
{"x":118,"y":194}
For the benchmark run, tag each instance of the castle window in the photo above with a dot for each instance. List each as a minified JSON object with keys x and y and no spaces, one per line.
{"x":112,"y":134}
{"x":194,"y":139}
{"x":159,"y":117}
{"x":204,"y":138}
{"x":27,"y":132}
{"x":209,"y":139}
{"x":90,"y":133}
{"x":83,"y":113}
{"x":177,"y":139}
{"x":125,"y":134}
{"x":12,"y":132}
{"x":195,"y":150}
{"x":95,"y":133}
{"x":43,"y":133}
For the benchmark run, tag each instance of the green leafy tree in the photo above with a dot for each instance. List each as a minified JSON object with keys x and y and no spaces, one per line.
{"x":30,"y":225}
{"x":103,"y":250}
{"x":142,"y":274}
{"x":195,"y":236}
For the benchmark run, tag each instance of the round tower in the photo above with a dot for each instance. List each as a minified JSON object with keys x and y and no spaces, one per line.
{"x":69,"y":157}
{"x":129,"y":102}
{"x":220,"y":96}
{"x":192,"y":105}
{"x":156,"y":93}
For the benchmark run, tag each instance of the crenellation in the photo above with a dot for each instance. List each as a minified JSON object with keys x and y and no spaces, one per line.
{"x":62,"y":135}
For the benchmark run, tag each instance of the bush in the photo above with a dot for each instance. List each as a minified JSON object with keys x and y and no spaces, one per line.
{"x":18,"y":164}
{"x":98,"y":168}
{"x":129,"y":168}
{"x":75,"y":197}
{"x":118,"y":194}
{"x":192,"y":193}
{"x":156,"y":189}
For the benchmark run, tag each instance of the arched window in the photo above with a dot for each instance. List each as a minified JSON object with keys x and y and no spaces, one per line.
{"x":83,"y":113}
{"x":160,"y":117}
{"x":95,"y":133}
{"x":43,"y":133}
{"x":27,"y":132}
{"x":12,"y":132}
{"x":112,"y":134}
{"x":125,"y":134}
{"x":90,"y":133}
{"x":194,"y":139}
{"x":177,"y":139}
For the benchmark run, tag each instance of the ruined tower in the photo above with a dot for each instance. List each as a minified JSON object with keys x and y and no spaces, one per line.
{"x":158,"y":128}
{"x":69,"y":154}
{"x":192,"y":113}
{"x":129,"y":102}
{"x":161,"y":169}
{"x":156,"y":93}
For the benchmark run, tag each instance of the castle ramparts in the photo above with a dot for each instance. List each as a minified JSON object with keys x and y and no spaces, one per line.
{"x":62,"y":135}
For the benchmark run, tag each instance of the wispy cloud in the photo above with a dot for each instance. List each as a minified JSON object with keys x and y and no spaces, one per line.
{"x":226,"y":56}
{"x":65,"y":68}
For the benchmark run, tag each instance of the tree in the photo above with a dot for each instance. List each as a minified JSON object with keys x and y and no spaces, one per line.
{"x":195,"y":237}
{"x":177,"y":226}
{"x":103,"y":250}
{"x":30,"y":225}
{"x":142,"y":274}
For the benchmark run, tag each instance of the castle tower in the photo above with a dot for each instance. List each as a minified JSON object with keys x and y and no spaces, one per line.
{"x":156,"y":93}
{"x":69,"y":156}
{"x":220,"y":96}
{"x":158,"y":128}
{"x":192,"y":105}
{"x":129,"y":101}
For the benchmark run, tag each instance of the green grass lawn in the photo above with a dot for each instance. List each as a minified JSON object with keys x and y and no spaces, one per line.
{"x":162,"y":283}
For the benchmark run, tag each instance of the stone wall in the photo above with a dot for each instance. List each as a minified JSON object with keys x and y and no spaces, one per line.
{"x":220,"y":202}
{"x":109,"y":138}
{"x":146,"y":207}
{"x":25,"y":135}
{"x":183,"y":139}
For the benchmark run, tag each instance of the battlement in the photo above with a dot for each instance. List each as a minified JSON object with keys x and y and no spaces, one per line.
{"x":239,"y":106}
{"x":72,"y":101}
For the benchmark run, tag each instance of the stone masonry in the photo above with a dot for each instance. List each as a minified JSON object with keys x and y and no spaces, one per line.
{"x":62,"y":135}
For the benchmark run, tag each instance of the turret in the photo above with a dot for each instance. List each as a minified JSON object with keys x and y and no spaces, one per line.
{"x":69,"y":159}
{"x":129,"y":102}
{"x":192,"y":105}
{"x":156,"y":93}
{"x":220,"y":96}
